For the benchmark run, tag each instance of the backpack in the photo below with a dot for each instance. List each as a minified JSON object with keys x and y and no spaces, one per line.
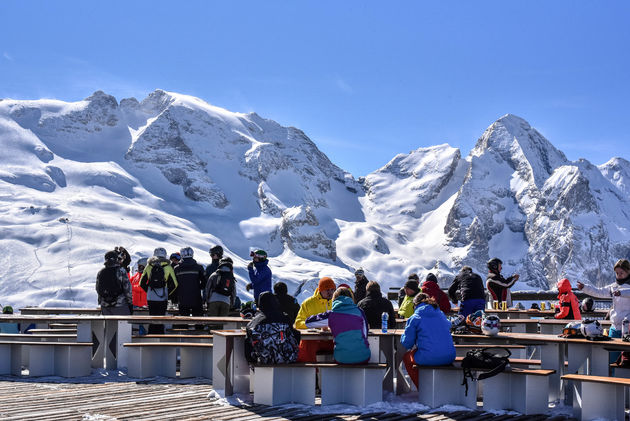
{"x":273,"y":343}
{"x":225,"y":284}
{"x":157,"y":279}
{"x":492,"y":359}
{"x":109,"y":287}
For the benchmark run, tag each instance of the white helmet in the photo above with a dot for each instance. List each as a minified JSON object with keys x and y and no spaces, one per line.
{"x":591,"y":329}
{"x":186,"y":252}
{"x":160,"y":252}
{"x":490,"y":325}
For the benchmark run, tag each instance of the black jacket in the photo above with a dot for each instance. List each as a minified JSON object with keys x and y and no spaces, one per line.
{"x":359,"y":289}
{"x":211,"y":268}
{"x":191,"y":280}
{"x":289,"y":306}
{"x":469,"y":285}
{"x":498,"y":286}
{"x":374,"y":305}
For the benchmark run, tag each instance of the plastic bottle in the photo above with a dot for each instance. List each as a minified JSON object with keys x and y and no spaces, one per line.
{"x":625,"y":327}
{"x":384,"y":320}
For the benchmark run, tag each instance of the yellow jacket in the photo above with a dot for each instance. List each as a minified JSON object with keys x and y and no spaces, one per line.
{"x":310,"y":307}
{"x":406,"y":307}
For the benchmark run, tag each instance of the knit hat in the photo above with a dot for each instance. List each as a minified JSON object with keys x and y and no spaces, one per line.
{"x":413,"y":285}
{"x":431,"y":278}
{"x":344,"y":286}
{"x":326,"y":283}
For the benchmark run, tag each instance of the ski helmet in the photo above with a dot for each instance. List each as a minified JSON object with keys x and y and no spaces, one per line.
{"x":175,"y":256}
{"x":160,"y":252}
{"x":218,"y":250}
{"x":359,"y":272}
{"x":491,"y":325}
{"x":493,"y":264}
{"x":142,"y":262}
{"x":587,"y":304}
{"x":111,"y":255}
{"x":186,"y":252}
{"x":592,"y":329}
{"x":572,"y":330}
{"x":261,"y":254}
{"x":457,"y":321}
{"x":473,"y":321}
{"x":226,"y":261}
{"x":7,"y":310}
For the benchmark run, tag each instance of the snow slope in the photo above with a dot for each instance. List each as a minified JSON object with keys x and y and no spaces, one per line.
{"x":172,"y":170}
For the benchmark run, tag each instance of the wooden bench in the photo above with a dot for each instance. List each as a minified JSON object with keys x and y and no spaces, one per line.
{"x":65,"y":359}
{"x":522,"y":390}
{"x":62,"y":325}
{"x":149,"y":359}
{"x":598,"y":396}
{"x":356,"y":384}
{"x":167,"y":337}
{"x":517,"y":350}
{"x":52,"y":331}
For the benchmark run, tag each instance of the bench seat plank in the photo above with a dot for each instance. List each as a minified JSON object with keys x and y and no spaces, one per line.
{"x":597,"y":396}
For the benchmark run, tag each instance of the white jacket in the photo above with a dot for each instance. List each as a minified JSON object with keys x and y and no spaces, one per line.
{"x":620,"y":305}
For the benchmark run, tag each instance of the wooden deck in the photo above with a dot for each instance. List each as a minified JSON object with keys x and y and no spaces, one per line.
{"x":29,"y":400}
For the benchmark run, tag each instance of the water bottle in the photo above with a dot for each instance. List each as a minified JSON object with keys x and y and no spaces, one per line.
{"x":625,"y":327}
{"x":384,"y":319}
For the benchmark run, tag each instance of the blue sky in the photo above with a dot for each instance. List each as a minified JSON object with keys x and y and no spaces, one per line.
{"x":365,"y":80}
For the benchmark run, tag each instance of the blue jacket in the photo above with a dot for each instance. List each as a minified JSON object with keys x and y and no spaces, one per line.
{"x":349,"y":328}
{"x":260,"y":277}
{"x":430,"y":331}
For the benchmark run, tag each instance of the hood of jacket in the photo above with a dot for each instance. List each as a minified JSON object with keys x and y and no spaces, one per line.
{"x":564,"y":286}
{"x":344,"y":304}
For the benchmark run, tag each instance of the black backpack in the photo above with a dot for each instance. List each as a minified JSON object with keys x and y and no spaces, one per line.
{"x":225,"y":284}
{"x":273,"y":343}
{"x":494,"y":360}
{"x":157,"y":279}
{"x":109,"y":287}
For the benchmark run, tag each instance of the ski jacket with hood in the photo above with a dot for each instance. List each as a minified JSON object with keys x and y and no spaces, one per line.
{"x":190,"y":282}
{"x":432,"y":289}
{"x":313,"y":305}
{"x":124,"y":299}
{"x":406,"y":308}
{"x":139,"y":296}
{"x":349,"y":328}
{"x":288,"y":305}
{"x":159,"y":294}
{"x":568,"y":304}
{"x":260,"y":277}
{"x":470,"y":286}
{"x":373,"y":306}
{"x":620,"y":305}
{"x":430,"y":331}
{"x":499,"y":287}
{"x":210,"y":295}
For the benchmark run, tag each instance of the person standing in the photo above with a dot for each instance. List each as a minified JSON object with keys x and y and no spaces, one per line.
{"x":374,"y":305}
{"x":288,"y":303}
{"x":469,"y":286}
{"x":319,"y":302}
{"x":159,"y":281}
{"x":216,"y":254}
{"x":360,"y":283}
{"x":498,"y":286}
{"x":259,"y":274}
{"x":113,"y":287}
{"x":190,"y":281}
{"x":619,"y":292}
{"x":139,"y":296}
{"x":427,"y":337}
{"x":221,"y":289}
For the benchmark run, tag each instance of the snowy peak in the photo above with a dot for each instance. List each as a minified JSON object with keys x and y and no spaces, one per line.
{"x":617,"y":171}
{"x":513,"y":140}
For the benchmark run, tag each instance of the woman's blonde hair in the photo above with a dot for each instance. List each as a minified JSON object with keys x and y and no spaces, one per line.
{"x":346,"y":292}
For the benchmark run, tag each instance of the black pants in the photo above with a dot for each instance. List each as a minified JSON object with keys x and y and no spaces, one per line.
{"x":195,"y":311}
{"x":157,"y":308}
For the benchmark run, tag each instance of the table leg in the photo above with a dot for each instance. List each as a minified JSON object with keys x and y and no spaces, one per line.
{"x":552,"y":358}
{"x":98,"y":342}
{"x":123,"y":336}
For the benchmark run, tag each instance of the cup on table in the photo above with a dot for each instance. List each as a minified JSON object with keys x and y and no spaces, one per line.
{"x":504,"y":305}
{"x":496,"y":305}
{"x":542,"y":305}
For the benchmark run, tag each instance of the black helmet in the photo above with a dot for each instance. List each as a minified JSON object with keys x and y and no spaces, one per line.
{"x":216,"y":250}
{"x":226,"y":261}
{"x":111,"y":255}
{"x":587,"y":304}
{"x":493,"y":264}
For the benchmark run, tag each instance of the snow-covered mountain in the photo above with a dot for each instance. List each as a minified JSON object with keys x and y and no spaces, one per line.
{"x":172,"y":170}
